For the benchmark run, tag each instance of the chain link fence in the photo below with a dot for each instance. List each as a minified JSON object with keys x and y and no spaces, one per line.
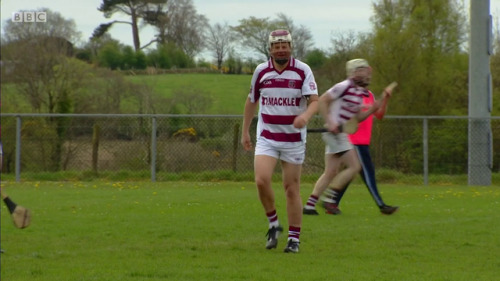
{"x":405,"y":149}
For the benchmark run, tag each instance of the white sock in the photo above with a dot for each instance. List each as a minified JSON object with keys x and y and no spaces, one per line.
{"x":275,"y":223}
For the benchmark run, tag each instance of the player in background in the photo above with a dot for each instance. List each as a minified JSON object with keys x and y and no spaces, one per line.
{"x":361,"y":140}
{"x":338,"y":105}
{"x":287,"y":95}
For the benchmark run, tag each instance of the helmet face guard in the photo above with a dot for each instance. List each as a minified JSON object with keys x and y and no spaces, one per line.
{"x":359,"y":79}
{"x":354,"y":64}
{"x":280,"y":35}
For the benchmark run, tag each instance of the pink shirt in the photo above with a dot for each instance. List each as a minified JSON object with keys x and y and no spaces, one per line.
{"x":364,"y":133}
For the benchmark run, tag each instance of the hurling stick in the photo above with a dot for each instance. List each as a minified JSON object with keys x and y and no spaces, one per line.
{"x":21,"y":217}
{"x":392,"y":86}
{"x":351,"y":126}
{"x":317,"y":130}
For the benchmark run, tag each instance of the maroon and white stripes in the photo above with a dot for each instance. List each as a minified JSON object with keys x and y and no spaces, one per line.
{"x":272,"y":217}
{"x":348,"y":98}
{"x":293,"y":233}
{"x":282,"y":97}
{"x":311,"y":202}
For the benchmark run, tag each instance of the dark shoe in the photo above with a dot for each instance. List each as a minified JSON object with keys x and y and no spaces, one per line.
{"x":388,"y":210}
{"x":331,"y":208}
{"x":292,"y":247}
{"x":310,"y":212}
{"x":272,"y":237}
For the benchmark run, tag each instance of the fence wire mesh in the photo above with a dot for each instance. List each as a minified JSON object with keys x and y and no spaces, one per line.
{"x":414,"y":150}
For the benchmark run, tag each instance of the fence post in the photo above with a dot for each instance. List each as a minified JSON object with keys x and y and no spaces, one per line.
{"x":18,"y":149}
{"x":153,"y":149}
{"x":425,"y":141}
{"x":95,"y":147}
{"x":236,"y":133}
{"x":480,"y":96}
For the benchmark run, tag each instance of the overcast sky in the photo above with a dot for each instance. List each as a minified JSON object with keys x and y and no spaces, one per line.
{"x":322,"y":17}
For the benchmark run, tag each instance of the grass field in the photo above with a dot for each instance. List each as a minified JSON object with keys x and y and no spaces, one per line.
{"x":228,"y":92}
{"x":216,"y":231}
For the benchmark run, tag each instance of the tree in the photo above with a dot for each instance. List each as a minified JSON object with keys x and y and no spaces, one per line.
{"x":50,"y":81}
{"x":114,"y":55}
{"x":419,"y":43}
{"x":316,"y":58}
{"x":169,"y":56}
{"x":219,"y":42}
{"x":110,"y":55}
{"x":37,"y":56}
{"x":233,"y":63}
{"x":329,"y":68}
{"x":346,"y":46}
{"x":56,"y":26}
{"x":302,"y":36}
{"x":495,"y":67}
{"x":255,"y":33}
{"x":94,"y":45}
{"x":39,"y":62}
{"x":178,"y":22}
{"x":136,"y":9}
{"x":140,"y":60}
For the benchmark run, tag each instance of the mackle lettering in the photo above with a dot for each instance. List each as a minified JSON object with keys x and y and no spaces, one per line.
{"x":276,"y":101}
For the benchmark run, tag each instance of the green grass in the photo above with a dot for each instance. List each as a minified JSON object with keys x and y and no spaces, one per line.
{"x":228,"y":92}
{"x":215,"y":231}
{"x":384,"y":176}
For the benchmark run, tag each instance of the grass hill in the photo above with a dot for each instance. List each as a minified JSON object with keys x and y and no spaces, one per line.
{"x":228,"y":92}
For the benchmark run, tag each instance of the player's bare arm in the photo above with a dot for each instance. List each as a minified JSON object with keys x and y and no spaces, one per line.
{"x":323,"y":105}
{"x":362,"y":115}
{"x":386,"y":94}
{"x":247,"y":120}
{"x":312,"y":108}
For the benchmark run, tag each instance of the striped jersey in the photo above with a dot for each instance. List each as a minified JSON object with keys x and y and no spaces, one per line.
{"x":282,"y":97}
{"x":348,"y":99}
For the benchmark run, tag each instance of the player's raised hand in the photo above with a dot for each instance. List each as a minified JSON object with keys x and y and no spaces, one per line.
{"x":388,"y":90}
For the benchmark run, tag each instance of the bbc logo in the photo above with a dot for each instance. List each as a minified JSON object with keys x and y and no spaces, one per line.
{"x":29,"y":17}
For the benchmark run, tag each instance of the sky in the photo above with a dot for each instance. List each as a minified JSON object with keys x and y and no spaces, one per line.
{"x":324,"y":18}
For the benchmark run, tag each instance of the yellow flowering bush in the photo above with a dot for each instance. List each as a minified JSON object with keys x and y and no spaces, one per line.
{"x":186,"y":133}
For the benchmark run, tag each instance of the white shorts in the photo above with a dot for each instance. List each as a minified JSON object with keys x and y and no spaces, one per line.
{"x":293,"y":155}
{"x":336,"y":143}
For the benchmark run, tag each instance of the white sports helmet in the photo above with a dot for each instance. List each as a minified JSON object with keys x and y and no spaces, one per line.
{"x":352,"y":65}
{"x":280,"y":35}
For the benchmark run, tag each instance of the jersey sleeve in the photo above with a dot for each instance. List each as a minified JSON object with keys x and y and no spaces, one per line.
{"x":309,"y":87}
{"x":335,"y":92}
{"x":254,"y":95}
